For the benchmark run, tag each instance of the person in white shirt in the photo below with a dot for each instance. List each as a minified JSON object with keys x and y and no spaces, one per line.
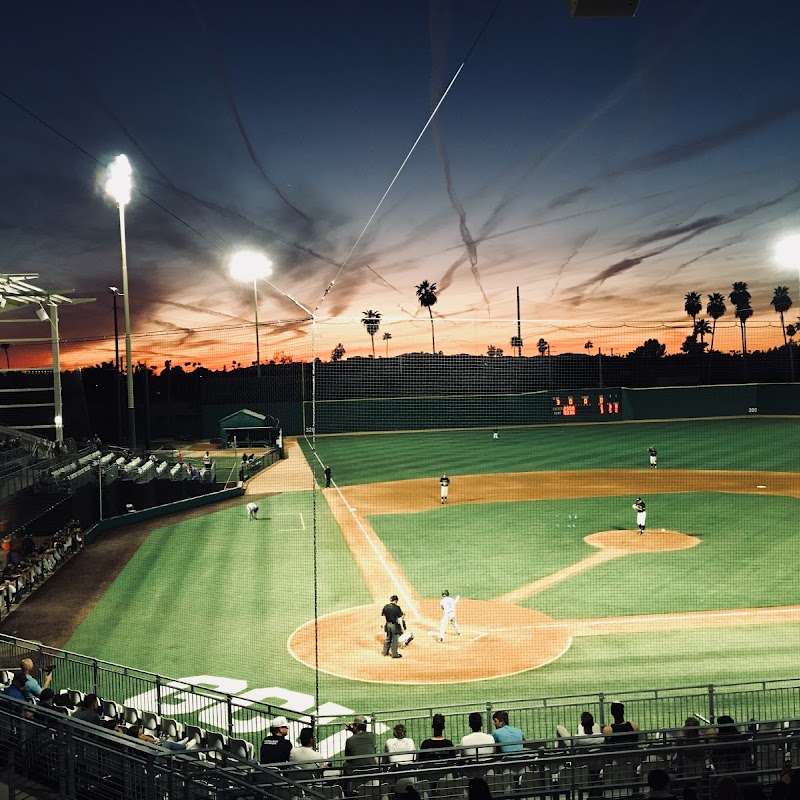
{"x":305,"y":753}
{"x":448,"y":605}
{"x":252,"y":510}
{"x":477,"y":737}
{"x":589,"y":733}
{"x":399,"y":746}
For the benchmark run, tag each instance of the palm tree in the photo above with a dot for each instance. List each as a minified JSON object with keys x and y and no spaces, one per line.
{"x":740,"y":297}
{"x":781,"y":302}
{"x":715,"y":309}
{"x":701,"y":328}
{"x":337,"y":352}
{"x":426,"y":294}
{"x":372,"y":321}
{"x":692,"y":305}
{"x":5,"y":347}
{"x":386,"y":337}
{"x":589,"y":346}
{"x":542,"y":346}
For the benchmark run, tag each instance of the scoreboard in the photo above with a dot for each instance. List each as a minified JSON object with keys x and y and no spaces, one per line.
{"x":587,"y":405}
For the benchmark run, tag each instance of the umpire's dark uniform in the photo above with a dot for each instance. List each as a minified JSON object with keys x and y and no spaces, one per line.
{"x":393,"y":614}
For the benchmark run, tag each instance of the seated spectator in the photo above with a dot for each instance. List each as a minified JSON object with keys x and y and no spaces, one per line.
{"x":478,"y":789}
{"x":32,"y":687}
{"x":658,"y":781}
{"x":728,"y":789}
{"x":28,"y":546}
{"x":405,"y":789}
{"x":306,"y":754}
{"x":47,"y":700}
{"x":88,"y":710}
{"x":436,"y":743}
{"x":276,"y":747}
{"x":507,"y":736}
{"x":398,"y":747}
{"x":730,"y":751}
{"x":477,"y":737}
{"x":589,"y":733}
{"x":622,"y":733}
{"x":360,"y":748}
{"x":689,"y":760}
{"x":788,"y":786}
{"x":16,"y":688}
{"x":137,"y":732}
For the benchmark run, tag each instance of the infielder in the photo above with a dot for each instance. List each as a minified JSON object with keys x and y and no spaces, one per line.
{"x":641,"y":514}
{"x":252,"y":510}
{"x":653,"y":457}
{"x":444,"y":484}
{"x":448,"y":605}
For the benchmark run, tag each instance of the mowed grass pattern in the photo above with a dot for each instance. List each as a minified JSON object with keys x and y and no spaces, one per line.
{"x":220,"y":595}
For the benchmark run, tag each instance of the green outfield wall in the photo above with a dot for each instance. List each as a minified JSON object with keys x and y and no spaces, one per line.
{"x":541,"y":407}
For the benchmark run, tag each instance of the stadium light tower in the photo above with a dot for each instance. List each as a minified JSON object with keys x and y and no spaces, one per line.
{"x":246,"y":266}
{"x":118,"y":186}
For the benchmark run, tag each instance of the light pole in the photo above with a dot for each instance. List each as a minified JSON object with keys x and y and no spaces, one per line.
{"x":118,"y":186}
{"x":246,"y":266}
{"x":115,"y":293}
{"x":787,"y":254}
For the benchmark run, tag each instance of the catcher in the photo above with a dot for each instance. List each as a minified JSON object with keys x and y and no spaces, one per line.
{"x":406,"y":637}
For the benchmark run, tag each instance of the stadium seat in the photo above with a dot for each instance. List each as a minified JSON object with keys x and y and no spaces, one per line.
{"x":131,"y":715}
{"x":75,"y":696}
{"x":218,"y":742}
{"x":172,"y":729}
{"x":6,"y":676}
{"x":196,"y":735}
{"x":111,"y":710}
{"x":241,"y":748}
{"x":151,"y":722}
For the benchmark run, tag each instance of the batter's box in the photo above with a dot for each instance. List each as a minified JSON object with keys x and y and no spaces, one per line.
{"x":289,"y":521}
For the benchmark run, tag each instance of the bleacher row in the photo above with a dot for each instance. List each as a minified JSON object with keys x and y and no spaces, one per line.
{"x":553,"y":769}
{"x":21,"y":577}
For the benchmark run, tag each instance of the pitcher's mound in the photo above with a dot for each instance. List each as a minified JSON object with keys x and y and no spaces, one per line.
{"x":497,"y":639}
{"x":631,"y":542}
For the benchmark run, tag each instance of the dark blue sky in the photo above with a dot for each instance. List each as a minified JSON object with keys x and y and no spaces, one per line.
{"x":606,"y":167}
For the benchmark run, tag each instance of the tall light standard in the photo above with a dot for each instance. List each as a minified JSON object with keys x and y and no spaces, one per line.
{"x":246,"y":266}
{"x":118,"y":186}
{"x":115,"y":293}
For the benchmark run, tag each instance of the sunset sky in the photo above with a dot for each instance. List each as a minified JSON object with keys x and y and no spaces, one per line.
{"x":604,"y":166}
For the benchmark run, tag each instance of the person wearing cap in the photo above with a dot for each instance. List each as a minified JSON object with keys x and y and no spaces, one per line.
{"x":393,"y":626}
{"x":361,"y":747}
{"x":276,"y":747}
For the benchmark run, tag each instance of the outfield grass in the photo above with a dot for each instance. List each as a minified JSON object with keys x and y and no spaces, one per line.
{"x":220,"y":595}
{"x":753,"y":443}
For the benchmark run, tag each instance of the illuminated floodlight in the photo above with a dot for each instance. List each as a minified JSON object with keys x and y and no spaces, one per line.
{"x":58,"y":420}
{"x":787,"y":251}
{"x":119,"y":182}
{"x":249,"y":265}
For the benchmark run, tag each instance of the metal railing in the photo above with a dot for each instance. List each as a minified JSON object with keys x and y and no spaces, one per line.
{"x":249,"y":719}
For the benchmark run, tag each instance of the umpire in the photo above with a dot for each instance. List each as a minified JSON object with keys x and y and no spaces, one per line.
{"x":394,"y":616}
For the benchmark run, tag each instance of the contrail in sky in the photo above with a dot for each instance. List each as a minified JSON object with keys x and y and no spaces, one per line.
{"x":438,"y":49}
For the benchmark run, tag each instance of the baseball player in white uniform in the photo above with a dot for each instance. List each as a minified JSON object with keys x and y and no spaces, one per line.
{"x":653,"y":453}
{"x":252,"y":510}
{"x":641,"y":514}
{"x":444,"y":484}
{"x":448,"y":605}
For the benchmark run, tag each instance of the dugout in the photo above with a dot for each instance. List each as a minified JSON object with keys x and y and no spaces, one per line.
{"x":249,"y":428}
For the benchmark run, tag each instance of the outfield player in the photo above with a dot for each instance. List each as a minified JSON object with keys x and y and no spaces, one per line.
{"x":495,"y":434}
{"x":252,"y":510}
{"x":448,"y":605}
{"x":653,"y":453}
{"x":641,"y":514}
{"x":444,"y":484}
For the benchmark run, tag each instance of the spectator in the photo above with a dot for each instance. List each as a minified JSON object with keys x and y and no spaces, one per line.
{"x":621,"y":733}
{"x":306,"y":754}
{"x":47,"y":700}
{"x":399,"y":746}
{"x":730,"y":752}
{"x":360,"y":748}
{"x":689,"y":761}
{"x":788,"y":787}
{"x":478,"y":789}
{"x":276,"y":747}
{"x":728,"y":789}
{"x":16,"y":688}
{"x":589,"y":733}
{"x":507,"y":736}
{"x":658,"y":781}
{"x":32,"y":688}
{"x":477,"y":737}
{"x":88,"y":710}
{"x":436,"y":742}
{"x":405,"y":789}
